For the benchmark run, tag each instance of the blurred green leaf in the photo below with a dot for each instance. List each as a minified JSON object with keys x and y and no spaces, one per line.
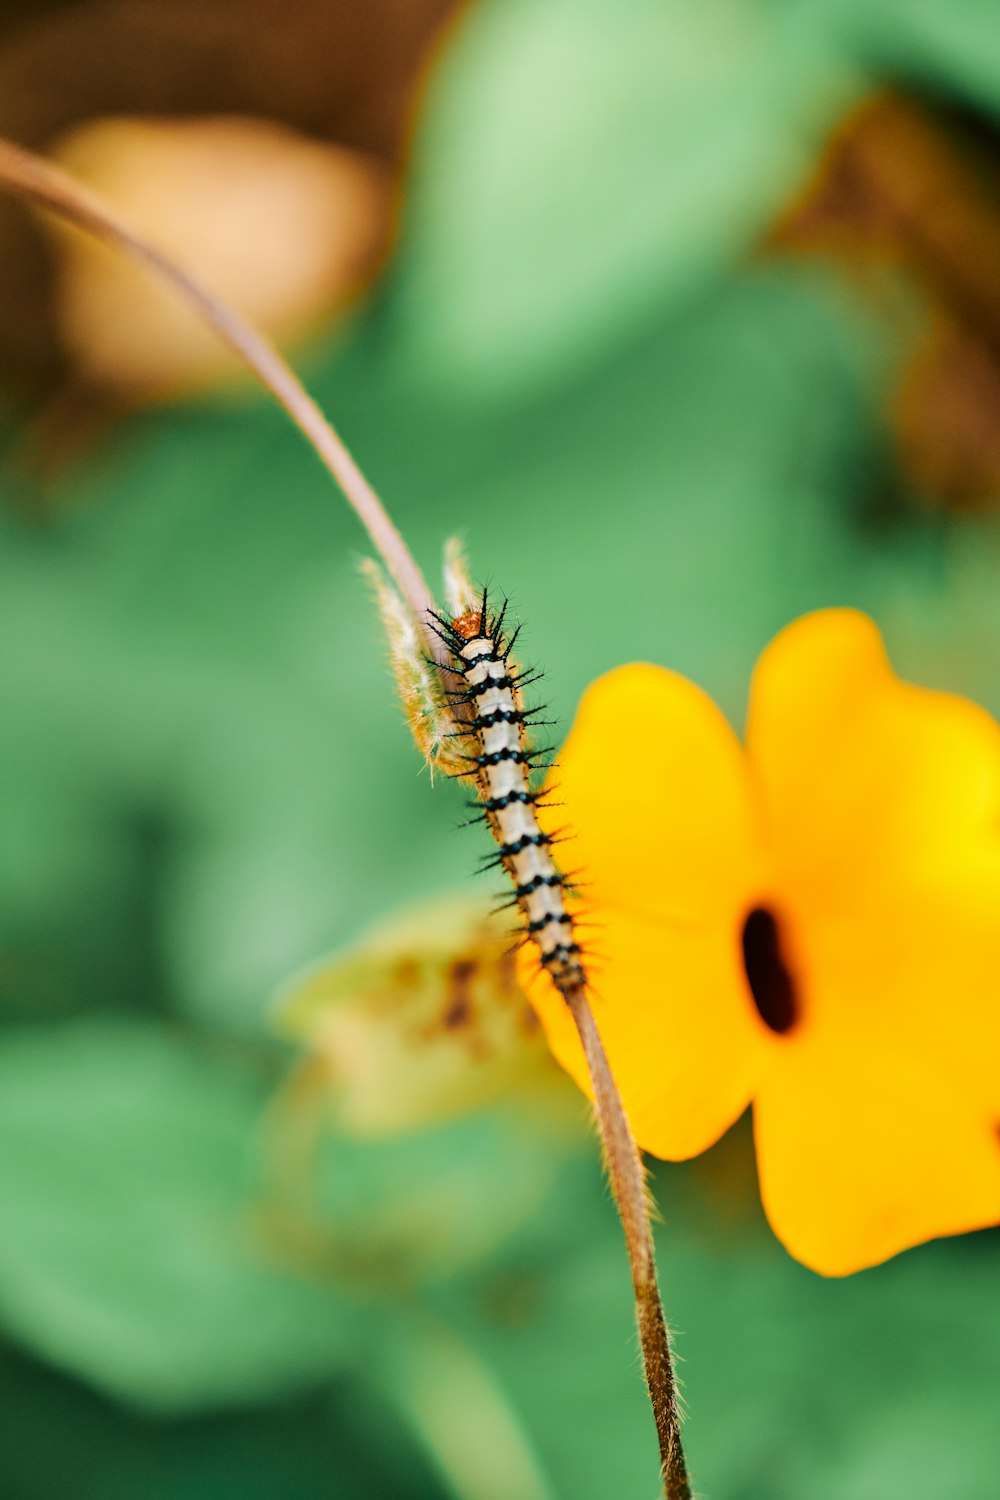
{"x":582,"y":165}
{"x":168,"y":670}
{"x":62,"y":1439}
{"x":798,"y":1385}
{"x":552,"y":1321}
{"x":130,"y":1252}
{"x":951,"y":48}
{"x":414,"y":1211}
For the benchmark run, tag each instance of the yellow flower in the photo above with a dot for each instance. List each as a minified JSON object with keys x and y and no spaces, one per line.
{"x":810,"y":924}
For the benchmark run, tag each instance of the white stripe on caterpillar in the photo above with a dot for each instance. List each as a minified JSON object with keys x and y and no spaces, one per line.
{"x":495,"y":728}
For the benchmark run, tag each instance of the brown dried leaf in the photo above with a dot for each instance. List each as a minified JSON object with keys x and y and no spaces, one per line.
{"x":907,"y":198}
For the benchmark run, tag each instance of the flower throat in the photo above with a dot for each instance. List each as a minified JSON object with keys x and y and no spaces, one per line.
{"x":771,"y":983}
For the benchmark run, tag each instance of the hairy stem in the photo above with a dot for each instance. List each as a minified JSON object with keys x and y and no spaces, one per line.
{"x":628,"y":1183}
{"x":30,"y":177}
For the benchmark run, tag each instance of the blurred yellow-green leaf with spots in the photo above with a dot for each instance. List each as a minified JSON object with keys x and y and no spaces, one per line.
{"x":420,"y":1020}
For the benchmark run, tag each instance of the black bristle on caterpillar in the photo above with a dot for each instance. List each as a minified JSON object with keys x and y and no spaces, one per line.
{"x":495,"y":726}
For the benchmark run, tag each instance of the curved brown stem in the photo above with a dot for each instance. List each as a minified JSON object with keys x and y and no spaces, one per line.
{"x":628,"y":1183}
{"x":49,"y":187}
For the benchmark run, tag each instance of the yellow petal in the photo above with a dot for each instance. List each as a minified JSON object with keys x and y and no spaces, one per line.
{"x":677,"y":1024}
{"x":870,"y":827}
{"x":884,"y":820}
{"x":867,"y":781}
{"x":863,"y":1152}
{"x":654,"y":787}
{"x":884,"y":825}
{"x":655,"y":793}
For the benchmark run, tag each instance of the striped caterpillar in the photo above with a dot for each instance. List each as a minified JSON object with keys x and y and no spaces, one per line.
{"x":494,"y":723}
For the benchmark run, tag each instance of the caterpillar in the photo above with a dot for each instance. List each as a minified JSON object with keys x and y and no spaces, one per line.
{"x":494,"y":722}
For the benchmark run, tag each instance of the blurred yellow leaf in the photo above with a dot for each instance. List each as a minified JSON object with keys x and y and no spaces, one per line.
{"x":284,"y":228}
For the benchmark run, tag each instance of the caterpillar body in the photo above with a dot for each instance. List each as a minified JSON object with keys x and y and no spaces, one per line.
{"x":495,"y":727}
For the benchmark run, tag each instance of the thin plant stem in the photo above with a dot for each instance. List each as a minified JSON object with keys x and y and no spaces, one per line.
{"x":628,"y":1183}
{"x":30,"y":177}
{"x":51,"y":188}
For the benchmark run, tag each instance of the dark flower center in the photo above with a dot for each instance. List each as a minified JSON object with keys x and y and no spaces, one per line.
{"x":771,"y":984}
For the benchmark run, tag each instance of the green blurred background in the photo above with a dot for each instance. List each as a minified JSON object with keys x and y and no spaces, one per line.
{"x":686,"y":316}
